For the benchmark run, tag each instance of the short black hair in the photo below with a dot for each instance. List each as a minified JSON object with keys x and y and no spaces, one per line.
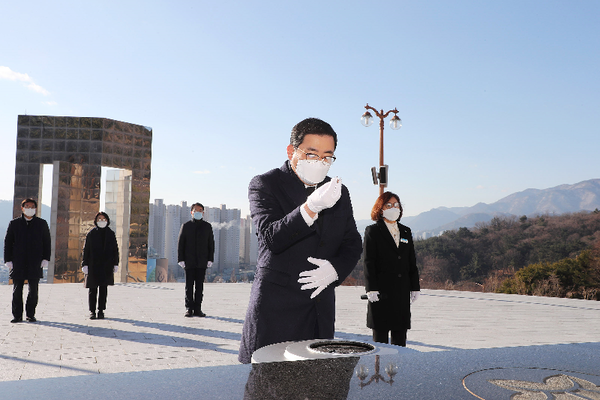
{"x":312,"y":126}
{"x":105,"y":215}
{"x":196,"y":204}
{"x":28,"y":201}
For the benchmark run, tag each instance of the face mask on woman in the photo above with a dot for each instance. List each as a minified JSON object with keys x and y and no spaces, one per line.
{"x":391,"y":214}
{"x":102,"y":224}
{"x":312,"y":172}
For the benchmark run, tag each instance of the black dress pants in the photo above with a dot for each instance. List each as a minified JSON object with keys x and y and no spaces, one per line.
{"x":32,"y":298}
{"x":398,"y":337}
{"x":194,"y":279}
{"x":93,"y":292}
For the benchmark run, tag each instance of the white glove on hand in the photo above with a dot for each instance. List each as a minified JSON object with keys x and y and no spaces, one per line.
{"x":209,"y":264}
{"x":85,"y":269}
{"x":414,"y":296}
{"x":318,"y":278}
{"x":326,"y":196}
{"x":10,"y":266}
{"x":181,"y":264}
{"x":373,"y":296}
{"x":115,"y":269}
{"x":44,"y":263}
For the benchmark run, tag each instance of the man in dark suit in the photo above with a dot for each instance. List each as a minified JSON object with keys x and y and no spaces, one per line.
{"x":26,"y":254}
{"x":307,"y":239}
{"x":195,"y":253}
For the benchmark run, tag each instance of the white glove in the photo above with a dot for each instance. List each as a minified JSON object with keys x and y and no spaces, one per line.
{"x":318,"y":278}
{"x":414,"y":296}
{"x":85,"y":269}
{"x":373,"y":296}
{"x":326,"y":196}
{"x":115,"y":269}
{"x":9,"y":265}
{"x":44,"y":263}
{"x":181,"y":264}
{"x":209,"y":264}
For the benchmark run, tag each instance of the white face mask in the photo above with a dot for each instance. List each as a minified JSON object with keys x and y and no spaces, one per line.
{"x":101,"y":224}
{"x":29,"y":212}
{"x":391,"y":214}
{"x":312,"y":172}
{"x":198,"y":215}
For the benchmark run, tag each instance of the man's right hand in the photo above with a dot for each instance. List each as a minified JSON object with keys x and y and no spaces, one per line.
{"x":181,"y":264}
{"x":10,"y":266}
{"x":84,"y":269}
{"x":326,"y":196}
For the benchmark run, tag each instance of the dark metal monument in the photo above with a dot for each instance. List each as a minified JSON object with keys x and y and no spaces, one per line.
{"x":78,"y":148}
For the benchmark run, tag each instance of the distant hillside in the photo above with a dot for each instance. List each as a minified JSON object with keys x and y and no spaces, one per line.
{"x":582,"y":196}
{"x":505,"y":245}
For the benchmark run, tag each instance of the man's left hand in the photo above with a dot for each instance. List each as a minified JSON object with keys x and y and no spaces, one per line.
{"x":44,"y":263}
{"x":115,"y":269}
{"x":318,"y":278}
{"x":209,"y":264}
{"x":10,"y":266}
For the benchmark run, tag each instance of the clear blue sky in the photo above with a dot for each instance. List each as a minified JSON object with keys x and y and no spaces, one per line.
{"x":495,"y":96}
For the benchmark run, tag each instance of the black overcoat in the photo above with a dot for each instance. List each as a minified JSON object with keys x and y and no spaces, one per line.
{"x":196,"y":244}
{"x":100,"y":254}
{"x":279,"y":310}
{"x":26,"y":244}
{"x":392,"y":271}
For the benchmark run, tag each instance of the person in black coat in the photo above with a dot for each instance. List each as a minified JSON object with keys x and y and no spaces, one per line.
{"x":391,"y":274}
{"x":195,"y":253}
{"x":100,"y":262}
{"x":26,"y":253}
{"x":307,"y":243}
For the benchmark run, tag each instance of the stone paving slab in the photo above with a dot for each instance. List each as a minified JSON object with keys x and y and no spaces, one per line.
{"x":145,"y":329}
{"x":535,"y":372}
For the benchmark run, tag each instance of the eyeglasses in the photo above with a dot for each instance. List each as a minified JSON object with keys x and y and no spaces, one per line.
{"x":391,"y":205}
{"x":315,"y":157}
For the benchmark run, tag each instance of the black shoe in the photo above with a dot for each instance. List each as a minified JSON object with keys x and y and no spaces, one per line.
{"x":31,"y":319}
{"x":92,"y":315}
{"x":199,"y":314}
{"x":15,"y":320}
{"x":101,"y":314}
{"x":189,"y":313}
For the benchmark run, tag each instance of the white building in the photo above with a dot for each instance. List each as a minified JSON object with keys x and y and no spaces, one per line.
{"x":117,"y":204}
{"x":172,"y":227}
{"x":156,"y":229}
{"x":248,"y":244}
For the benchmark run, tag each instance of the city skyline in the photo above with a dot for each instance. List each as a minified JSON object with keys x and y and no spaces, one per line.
{"x":495,"y":98}
{"x":235,"y":246}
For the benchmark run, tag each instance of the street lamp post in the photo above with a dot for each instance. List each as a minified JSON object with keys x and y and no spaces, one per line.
{"x":381,"y":177}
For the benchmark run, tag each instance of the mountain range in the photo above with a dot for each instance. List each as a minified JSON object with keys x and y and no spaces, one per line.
{"x":582,"y":196}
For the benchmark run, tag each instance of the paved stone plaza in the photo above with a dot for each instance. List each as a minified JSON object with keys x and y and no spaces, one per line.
{"x":145,"y":328}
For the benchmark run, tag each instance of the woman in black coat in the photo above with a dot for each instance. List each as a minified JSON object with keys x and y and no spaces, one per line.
{"x":100,"y":262}
{"x":391,"y":274}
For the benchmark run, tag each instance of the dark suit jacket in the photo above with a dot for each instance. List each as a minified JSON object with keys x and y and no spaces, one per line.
{"x":26,"y":245}
{"x":100,"y":254}
{"x":392,"y":271}
{"x":279,"y":310}
{"x":196,"y":244}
